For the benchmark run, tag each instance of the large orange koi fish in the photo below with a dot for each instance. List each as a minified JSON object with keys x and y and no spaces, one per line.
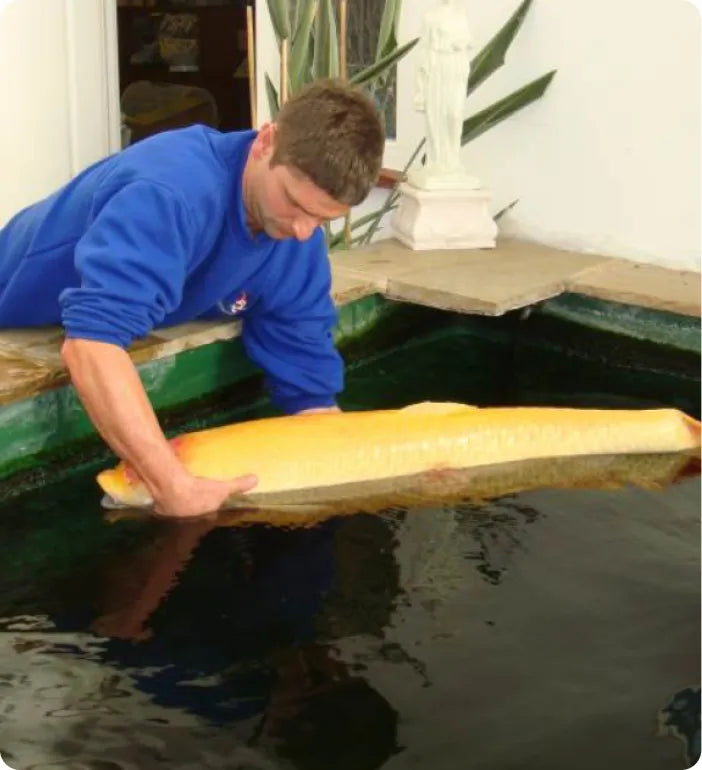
{"x":425,"y":449}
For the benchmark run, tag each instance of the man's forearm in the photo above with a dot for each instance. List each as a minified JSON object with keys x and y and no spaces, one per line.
{"x":116,"y":402}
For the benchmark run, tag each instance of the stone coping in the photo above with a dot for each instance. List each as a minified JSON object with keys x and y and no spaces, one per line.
{"x":513,"y":275}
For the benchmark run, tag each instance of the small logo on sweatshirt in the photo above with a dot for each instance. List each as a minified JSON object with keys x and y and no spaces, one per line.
{"x":236,"y":307}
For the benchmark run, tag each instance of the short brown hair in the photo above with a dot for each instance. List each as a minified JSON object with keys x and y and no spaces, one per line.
{"x":333,"y":134}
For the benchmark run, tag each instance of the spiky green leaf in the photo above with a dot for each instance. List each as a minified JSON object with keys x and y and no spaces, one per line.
{"x":272,"y":94}
{"x":300,"y":67}
{"x":496,"y":113}
{"x":336,"y":244}
{"x":373,"y":218}
{"x":279,"y":11}
{"x":361,"y":221}
{"x":298,"y":6}
{"x":505,"y":210}
{"x":387,"y":35}
{"x":325,"y":61}
{"x":383,"y":65}
{"x":492,"y":56}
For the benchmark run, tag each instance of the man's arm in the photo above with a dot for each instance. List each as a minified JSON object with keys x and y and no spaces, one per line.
{"x":116,"y":402}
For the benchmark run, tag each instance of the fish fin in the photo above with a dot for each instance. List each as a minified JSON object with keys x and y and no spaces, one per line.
{"x":435,"y":407}
{"x":109,"y":503}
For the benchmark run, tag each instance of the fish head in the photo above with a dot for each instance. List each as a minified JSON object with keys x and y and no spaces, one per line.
{"x":123,"y":489}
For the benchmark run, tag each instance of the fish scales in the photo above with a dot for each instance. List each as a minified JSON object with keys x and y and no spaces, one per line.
{"x":329,"y":450}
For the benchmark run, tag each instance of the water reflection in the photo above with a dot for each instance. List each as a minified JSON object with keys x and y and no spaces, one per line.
{"x":543,"y":629}
{"x":221,"y":624}
{"x":681,"y":718}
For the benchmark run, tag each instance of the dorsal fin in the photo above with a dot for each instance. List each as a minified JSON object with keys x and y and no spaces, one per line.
{"x":435,"y":407}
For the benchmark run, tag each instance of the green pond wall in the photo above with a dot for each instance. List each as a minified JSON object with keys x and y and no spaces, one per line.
{"x":567,"y":347}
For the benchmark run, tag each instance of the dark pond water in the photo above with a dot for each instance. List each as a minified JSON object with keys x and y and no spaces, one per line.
{"x":550,"y":629}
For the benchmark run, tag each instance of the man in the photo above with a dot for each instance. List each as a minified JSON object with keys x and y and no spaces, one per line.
{"x":193,"y":224}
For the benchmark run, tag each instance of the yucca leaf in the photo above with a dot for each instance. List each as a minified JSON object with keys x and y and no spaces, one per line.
{"x":325,"y":61}
{"x":279,"y":11}
{"x":380,"y":67}
{"x":505,"y":210}
{"x":392,"y":196}
{"x":338,"y":239}
{"x":297,"y":7}
{"x":492,"y":56}
{"x":364,"y":220}
{"x":495,"y":113}
{"x":300,"y":70}
{"x":336,"y":243}
{"x":272,"y":94}
{"x":387,"y":36}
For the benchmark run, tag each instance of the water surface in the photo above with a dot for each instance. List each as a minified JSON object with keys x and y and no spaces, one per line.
{"x":546,"y":629}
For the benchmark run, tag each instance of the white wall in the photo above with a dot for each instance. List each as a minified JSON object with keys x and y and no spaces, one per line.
{"x":57,"y":107}
{"x":609,"y":159}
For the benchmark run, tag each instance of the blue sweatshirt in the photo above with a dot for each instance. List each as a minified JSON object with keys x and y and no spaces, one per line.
{"x":156,"y":235}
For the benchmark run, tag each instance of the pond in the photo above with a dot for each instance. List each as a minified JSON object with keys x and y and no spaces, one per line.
{"x":549,"y":629}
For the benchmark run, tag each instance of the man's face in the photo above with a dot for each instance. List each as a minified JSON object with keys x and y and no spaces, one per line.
{"x":281,"y":200}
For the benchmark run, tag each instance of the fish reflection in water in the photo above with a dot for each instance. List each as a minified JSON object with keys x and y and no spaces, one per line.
{"x":167,"y":556}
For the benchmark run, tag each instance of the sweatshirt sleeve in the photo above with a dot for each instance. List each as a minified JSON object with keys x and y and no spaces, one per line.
{"x":292,"y":339}
{"x":132,"y":264}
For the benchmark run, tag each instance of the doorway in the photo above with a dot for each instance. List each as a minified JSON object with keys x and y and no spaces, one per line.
{"x":182,"y":62}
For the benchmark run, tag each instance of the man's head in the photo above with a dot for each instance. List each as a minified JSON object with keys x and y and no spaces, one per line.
{"x":321,"y":156}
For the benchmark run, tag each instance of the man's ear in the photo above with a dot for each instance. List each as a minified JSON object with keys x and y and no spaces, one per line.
{"x":265,"y":141}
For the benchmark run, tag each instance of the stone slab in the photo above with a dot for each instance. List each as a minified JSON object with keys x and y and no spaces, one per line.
{"x":22,"y":377}
{"x":348,"y":286}
{"x":633,"y":283}
{"x":174,"y":339}
{"x":490,"y":282}
{"x":486,"y":281}
{"x":387,"y":259}
{"x":30,"y":361}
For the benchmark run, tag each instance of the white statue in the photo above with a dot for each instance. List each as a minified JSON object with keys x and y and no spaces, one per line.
{"x":440,"y":92}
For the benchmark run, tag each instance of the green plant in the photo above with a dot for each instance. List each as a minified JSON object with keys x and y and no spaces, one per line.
{"x":308,"y":38}
{"x":312,"y":40}
{"x":484,"y":64}
{"x":310,"y":49}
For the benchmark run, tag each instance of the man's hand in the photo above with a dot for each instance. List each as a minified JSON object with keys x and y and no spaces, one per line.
{"x":193,"y":496}
{"x":115,"y":400}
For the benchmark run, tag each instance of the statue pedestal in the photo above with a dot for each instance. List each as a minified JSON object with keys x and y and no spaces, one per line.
{"x":444,"y":219}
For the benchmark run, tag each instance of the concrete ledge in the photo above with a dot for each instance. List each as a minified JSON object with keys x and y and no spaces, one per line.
{"x":42,"y":416}
{"x":513,"y":275}
{"x":631,"y":283}
{"x":490,"y":282}
{"x":30,"y":361}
